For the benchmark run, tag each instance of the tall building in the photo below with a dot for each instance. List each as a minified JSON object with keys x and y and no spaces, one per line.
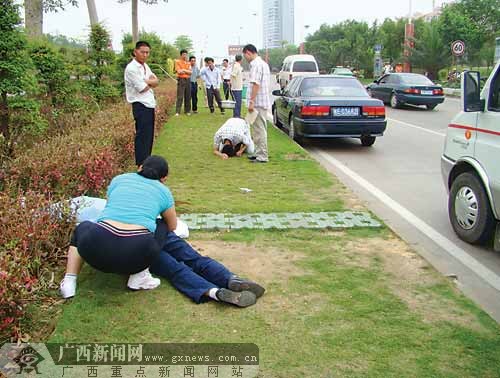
{"x":278,"y":22}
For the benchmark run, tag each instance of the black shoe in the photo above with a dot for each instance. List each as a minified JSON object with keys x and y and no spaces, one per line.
{"x":257,"y":161}
{"x":251,"y":157}
{"x":236,"y":283}
{"x":240,"y":299}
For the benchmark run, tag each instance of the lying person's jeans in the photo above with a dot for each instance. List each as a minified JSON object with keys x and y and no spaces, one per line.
{"x":188,"y":271}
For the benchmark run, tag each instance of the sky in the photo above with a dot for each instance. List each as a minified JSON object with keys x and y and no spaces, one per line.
{"x":214,"y":24}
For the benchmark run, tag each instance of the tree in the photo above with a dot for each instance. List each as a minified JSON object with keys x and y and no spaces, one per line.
{"x":430,"y":52}
{"x":184,"y":42}
{"x":92,"y":12}
{"x":135,"y":21}
{"x":473,"y":21}
{"x":33,"y":13}
{"x":16,"y":77}
{"x":277,"y":55}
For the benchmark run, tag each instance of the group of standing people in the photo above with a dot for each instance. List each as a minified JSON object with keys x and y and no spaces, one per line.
{"x":188,"y":73}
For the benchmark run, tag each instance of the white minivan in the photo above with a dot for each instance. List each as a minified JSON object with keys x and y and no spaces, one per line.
{"x":296,"y":65}
{"x":471,"y":161}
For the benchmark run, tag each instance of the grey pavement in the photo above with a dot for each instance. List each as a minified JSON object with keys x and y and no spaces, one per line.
{"x":404,"y":164}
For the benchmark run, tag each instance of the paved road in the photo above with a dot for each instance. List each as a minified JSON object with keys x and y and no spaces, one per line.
{"x":400,"y":180}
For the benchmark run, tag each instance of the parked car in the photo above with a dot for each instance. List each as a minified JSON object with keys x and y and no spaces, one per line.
{"x":406,"y":88}
{"x":329,"y":107}
{"x":342,"y":71}
{"x":470,"y":159}
{"x":296,"y":65}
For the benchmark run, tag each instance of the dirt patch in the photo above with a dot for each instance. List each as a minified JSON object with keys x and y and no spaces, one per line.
{"x":409,"y":277}
{"x":263,"y":265}
{"x":296,"y":157}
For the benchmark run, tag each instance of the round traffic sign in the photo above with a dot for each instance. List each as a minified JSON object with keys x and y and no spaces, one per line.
{"x":458,"y":48}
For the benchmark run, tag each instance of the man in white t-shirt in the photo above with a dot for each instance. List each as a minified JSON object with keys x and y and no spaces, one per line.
{"x":233,"y":139}
{"x":139,"y":84}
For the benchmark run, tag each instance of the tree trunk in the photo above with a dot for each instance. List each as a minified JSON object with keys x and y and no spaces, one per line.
{"x":92,"y":12}
{"x":135,"y":26}
{"x":4,"y":116}
{"x":33,"y":17}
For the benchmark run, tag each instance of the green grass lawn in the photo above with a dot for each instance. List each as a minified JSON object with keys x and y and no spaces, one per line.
{"x":357,"y":303}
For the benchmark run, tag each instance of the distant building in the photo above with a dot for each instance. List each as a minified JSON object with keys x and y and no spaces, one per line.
{"x":278,"y":22}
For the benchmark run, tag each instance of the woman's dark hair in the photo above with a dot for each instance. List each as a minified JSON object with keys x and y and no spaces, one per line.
{"x":228,"y":150}
{"x":154,"y":168}
{"x":183,"y":51}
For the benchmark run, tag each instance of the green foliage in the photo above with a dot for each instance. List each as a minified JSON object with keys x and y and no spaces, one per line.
{"x":17,"y":113}
{"x":184,"y":42}
{"x":430,"y":52}
{"x":55,"y":5}
{"x":277,"y":55}
{"x":476,"y":22}
{"x":101,"y":59}
{"x":349,"y":43}
{"x":63,"y":41}
{"x":52,"y":73}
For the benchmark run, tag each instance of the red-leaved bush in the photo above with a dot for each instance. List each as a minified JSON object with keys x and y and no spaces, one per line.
{"x":79,"y":161}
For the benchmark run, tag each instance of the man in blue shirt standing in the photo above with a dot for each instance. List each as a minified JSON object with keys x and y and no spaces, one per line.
{"x":195,"y":74}
{"x":212,"y":78}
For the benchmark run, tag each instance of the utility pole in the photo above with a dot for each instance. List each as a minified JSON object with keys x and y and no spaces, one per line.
{"x":409,"y":35}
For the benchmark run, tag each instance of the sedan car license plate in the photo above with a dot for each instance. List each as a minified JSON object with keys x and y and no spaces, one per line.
{"x":346,"y":112}
{"x":424,"y":92}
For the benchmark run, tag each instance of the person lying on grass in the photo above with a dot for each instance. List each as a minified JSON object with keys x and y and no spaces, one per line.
{"x":233,"y":139}
{"x":129,"y":239}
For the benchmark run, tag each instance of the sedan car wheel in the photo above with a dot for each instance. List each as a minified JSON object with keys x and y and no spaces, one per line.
{"x":275,"y":118}
{"x":292,"y":132}
{"x":368,"y":141}
{"x":469,"y":209}
{"x":431,"y":107}
{"x":394,"y":101}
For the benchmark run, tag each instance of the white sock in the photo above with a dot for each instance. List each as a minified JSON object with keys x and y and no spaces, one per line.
{"x":70,"y":276}
{"x":212,"y":293}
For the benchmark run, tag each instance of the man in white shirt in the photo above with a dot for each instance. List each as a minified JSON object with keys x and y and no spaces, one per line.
{"x":259,"y":101}
{"x":233,"y":139}
{"x":212,"y":78}
{"x":226,"y":78}
{"x":139,"y":84}
{"x":237,"y":84}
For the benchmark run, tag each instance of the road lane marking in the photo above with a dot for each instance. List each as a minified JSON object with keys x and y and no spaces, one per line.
{"x":458,"y":253}
{"x":415,"y":126}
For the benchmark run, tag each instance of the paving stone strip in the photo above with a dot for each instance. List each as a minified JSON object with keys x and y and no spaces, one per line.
{"x":335,"y":220}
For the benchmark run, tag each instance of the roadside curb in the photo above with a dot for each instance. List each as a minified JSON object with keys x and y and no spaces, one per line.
{"x":452,"y":92}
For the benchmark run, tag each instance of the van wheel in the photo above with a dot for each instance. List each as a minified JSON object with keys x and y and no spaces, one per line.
{"x":276,"y":121}
{"x":368,"y":141}
{"x":469,"y":209}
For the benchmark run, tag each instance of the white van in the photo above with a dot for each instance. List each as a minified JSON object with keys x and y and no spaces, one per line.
{"x":471,"y":161}
{"x":296,"y":65}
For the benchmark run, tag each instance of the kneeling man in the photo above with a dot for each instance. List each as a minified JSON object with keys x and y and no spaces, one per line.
{"x":233,"y":139}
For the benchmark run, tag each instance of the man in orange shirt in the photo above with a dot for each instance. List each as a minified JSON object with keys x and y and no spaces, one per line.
{"x":183,"y":69}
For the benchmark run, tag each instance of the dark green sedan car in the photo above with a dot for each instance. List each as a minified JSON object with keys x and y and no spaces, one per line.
{"x":398,"y":89}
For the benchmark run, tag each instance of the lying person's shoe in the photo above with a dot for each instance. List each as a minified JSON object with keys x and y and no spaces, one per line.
{"x":236,"y":283}
{"x":67,"y":288}
{"x":240,"y":299}
{"x":143,"y":280}
{"x":251,"y":157}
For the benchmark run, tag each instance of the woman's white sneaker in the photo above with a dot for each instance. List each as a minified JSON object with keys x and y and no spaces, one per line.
{"x":143,"y":281}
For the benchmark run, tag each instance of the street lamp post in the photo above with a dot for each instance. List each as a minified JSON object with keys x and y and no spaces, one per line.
{"x":302,"y":43}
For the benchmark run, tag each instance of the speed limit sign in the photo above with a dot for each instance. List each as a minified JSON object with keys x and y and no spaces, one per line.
{"x":458,"y":48}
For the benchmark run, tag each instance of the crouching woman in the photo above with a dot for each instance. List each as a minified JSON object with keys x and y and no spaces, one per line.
{"x":123,"y":239}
